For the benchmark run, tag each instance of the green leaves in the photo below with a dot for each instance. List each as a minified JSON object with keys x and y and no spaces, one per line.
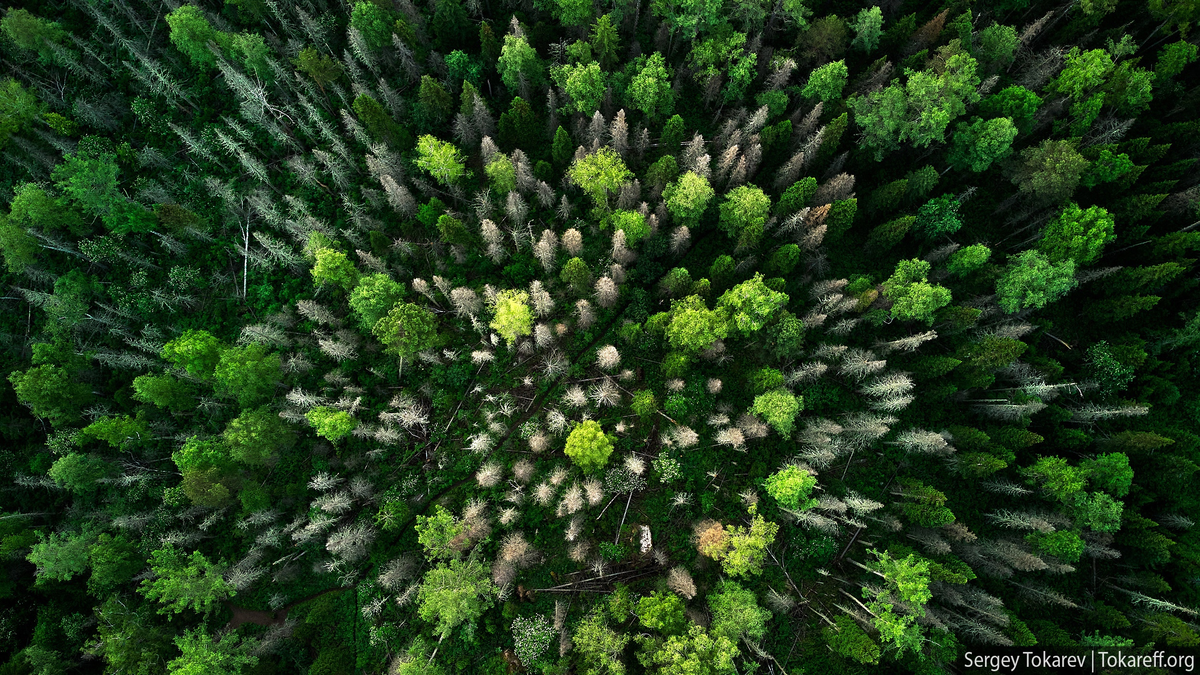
{"x":584,"y":83}
{"x":373,"y":297}
{"x":791,"y":487}
{"x":693,"y":327}
{"x":751,"y":305}
{"x":827,"y":82}
{"x":976,"y":146}
{"x":454,"y":593}
{"x":687,"y":197}
{"x":650,"y":89}
{"x":331,"y":424}
{"x":184,"y":582}
{"x":913,"y":297}
{"x":1077,"y":234}
{"x":600,"y":173}
{"x":441,"y":534}
{"x":744,"y":206}
{"x":589,"y":447}
{"x":407,"y":329}
{"x":511,"y":315}
{"x":440,"y":159}
{"x":196,"y":351}
{"x":1031,"y":280}
{"x":519,"y":63}
{"x":248,"y":373}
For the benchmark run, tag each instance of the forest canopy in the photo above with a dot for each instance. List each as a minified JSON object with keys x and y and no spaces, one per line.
{"x":563,"y":337}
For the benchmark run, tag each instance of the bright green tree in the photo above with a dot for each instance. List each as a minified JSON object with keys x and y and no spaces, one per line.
{"x":632,"y":223}
{"x":687,"y":198}
{"x":694,"y":653}
{"x":1031,"y":280}
{"x":599,"y":647}
{"x":407,"y":329}
{"x":373,"y":22}
{"x":440,"y":534}
{"x":868,"y":28}
{"x":792,"y":486}
{"x":663,"y":612}
{"x":518,"y":61}
{"x":334,"y":268}
{"x":605,"y":41}
{"x":907,"y":581}
{"x":440,"y":159}
{"x":51,"y":392}
{"x":600,"y":173}
{"x":913,"y":297}
{"x":164,"y":391}
{"x":512,"y":317}
{"x":938,"y":217}
{"x":851,"y":641}
{"x":1077,"y":234}
{"x":736,"y":614}
{"x":455,"y":592}
{"x":31,"y":32}
{"x":373,"y":297}
{"x":114,"y":561}
{"x":748,"y":547}
{"x":588,"y":446}
{"x":331,"y":424}
{"x":196,"y":351}
{"x":584,"y":83}
{"x":751,"y":304}
{"x":1083,"y":72}
{"x":827,"y":82}
{"x":18,"y":108}
{"x":968,"y":259}
{"x":744,"y":206}
{"x":997,"y":46}
{"x":650,"y":89}
{"x":501,"y":173}
{"x":248,"y":373}
{"x":200,"y":655}
{"x":191,"y":32}
{"x":693,"y":327}
{"x":78,"y":472}
{"x":184,"y":582}
{"x":577,"y":275}
{"x":976,"y":146}
{"x":60,"y":556}
{"x":322,"y":68}
{"x":779,"y":409}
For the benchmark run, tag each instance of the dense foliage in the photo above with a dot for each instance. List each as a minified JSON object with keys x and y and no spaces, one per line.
{"x":808,"y":336}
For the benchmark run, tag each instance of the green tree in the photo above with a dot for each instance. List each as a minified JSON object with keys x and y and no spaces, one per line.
{"x":79,"y":473}
{"x":606,"y":41}
{"x":407,"y":329}
{"x":450,"y":25}
{"x":584,"y":83}
{"x":907,"y":582}
{"x":1083,"y":72}
{"x":695,"y":653}
{"x":588,"y":446}
{"x":687,"y":18}
{"x":997,"y":46}
{"x":196,"y":351}
{"x":255,"y":436}
{"x":435,"y":104}
{"x":18,"y":108}
{"x":379,"y":123}
{"x":373,"y":297}
{"x":599,"y":173}
{"x":502,"y":174}
{"x":744,"y":206}
{"x":334,"y":268}
{"x":693,"y":327}
{"x":19,"y":248}
{"x":650,"y":89}
{"x":1031,"y":280}
{"x":748,"y":547}
{"x":322,"y":68}
{"x":1077,"y":234}
{"x":51,"y":392}
{"x":248,"y":373}
{"x":165,"y":390}
{"x":129,"y":639}
{"x":976,"y":146}
{"x":91,"y":181}
{"x":200,"y":655}
{"x":827,"y":82}
{"x":373,"y":22}
{"x":792,"y":486}
{"x":688,"y":197}
{"x":633,"y":224}
{"x":1050,"y":171}
{"x":574,"y":12}
{"x":61,"y":555}
{"x":114,"y":561}
{"x":512,"y":317}
{"x":1056,"y":476}
{"x":663,"y":612}
{"x":184,"y":582}
{"x":563,"y":147}
{"x":440,"y":159}
{"x":1110,"y":472}
{"x":1172,"y":59}
{"x":913,"y":297}
{"x":736,"y":614}
{"x":32,"y":206}
{"x":779,"y":409}
{"x":191,"y":33}
{"x":851,"y":641}
{"x":599,"y":647}
{"x":968,"y":259}
{"x":751,"y":304}
{"x":32,"y":33}
{"x":868,"y":28}
{"x":519,"y":62}
{"x":441,"y":534}
{"x":938,"y":217}
{"x":116,"y":430}
{"x":455,"y":592}
{"x":1016,"y":103}
{"x":331,"y":424}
